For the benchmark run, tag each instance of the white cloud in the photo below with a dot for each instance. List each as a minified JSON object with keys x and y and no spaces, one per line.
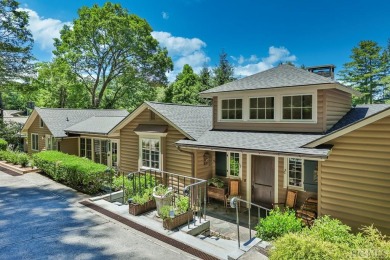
{"x":165,"y":15}
{"x":275,"y":56}
{"x":44,"y":29}
{"x":183,"y":51}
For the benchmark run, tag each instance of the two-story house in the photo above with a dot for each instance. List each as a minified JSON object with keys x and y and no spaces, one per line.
{"x":284,"y":128}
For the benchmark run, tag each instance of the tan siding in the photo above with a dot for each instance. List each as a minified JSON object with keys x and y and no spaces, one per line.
{"x":173,"y":160}
{"x":285,"y":127}
{"x":355,"y":180}
{"x":70,"y":146}
{"x":36,"y":129}
{"x":203,"y":171}
{"x":338,"y":103}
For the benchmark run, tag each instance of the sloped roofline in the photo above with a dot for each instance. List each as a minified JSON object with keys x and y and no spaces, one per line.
{"x":29,"y":121}
{"x":138,"y":111}
{"x":349,"y":128}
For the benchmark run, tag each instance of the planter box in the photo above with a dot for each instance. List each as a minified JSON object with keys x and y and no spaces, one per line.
{"x":216,"y":193}
{"x":177,"y":221}
{"x":137,"y":209}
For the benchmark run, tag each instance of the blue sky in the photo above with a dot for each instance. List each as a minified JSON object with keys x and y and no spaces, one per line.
{"x":256,"y":34}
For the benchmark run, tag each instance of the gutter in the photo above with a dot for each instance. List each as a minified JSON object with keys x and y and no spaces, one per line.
{"x":192,"y":160}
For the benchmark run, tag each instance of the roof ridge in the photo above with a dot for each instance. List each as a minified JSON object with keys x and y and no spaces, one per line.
{"x":79,"y":109}
{"x":176,"y":104}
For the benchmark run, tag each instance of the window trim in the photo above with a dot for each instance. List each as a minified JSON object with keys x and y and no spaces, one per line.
{"x":228,"y":175}
{"x":220,"y":109}
{"x":261,"y":120}
{"x":299,"y":188}
{"x":32,"y":142}
{"x":313,"y":108}
{"x":160,"y":160}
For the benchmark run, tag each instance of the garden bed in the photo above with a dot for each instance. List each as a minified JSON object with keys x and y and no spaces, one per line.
{"x":18,"y":168}
{"x":177,"y":221}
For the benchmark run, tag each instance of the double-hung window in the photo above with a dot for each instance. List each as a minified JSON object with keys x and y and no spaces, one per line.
{"x":86,"y":148}
{"x":298,"y":107}
{"x":34,"y":142}
{"x":227,"y":164}
{"x":295,"y":173}
{"x":231,"y":109}
{"x":150,"y":153}
{"x":261,"y":108}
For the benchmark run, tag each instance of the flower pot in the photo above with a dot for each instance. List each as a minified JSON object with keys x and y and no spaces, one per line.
{"x":137,"y":209}
{"x":162,"y":200}
{"x":177,"y":221}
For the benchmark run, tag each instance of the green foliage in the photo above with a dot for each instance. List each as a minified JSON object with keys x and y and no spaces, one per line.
{"x":16,"y":43}
{"x":164,"y":212}
{"x":160,"y":190}
{"x":224,"y":72}
{"x":185,"y":89}
{"x":366,"y":71}
{"x":216,"y":182}
{"x":15,"y":157}
{"x":330,"y":239}
{"x":3,"y":144}
{"x":10,"y":132}
{"x":278,"y":223}
{"x":182,"y":204}
{"x":115,"y":49}
{"x":76,"y":172}
{"x":143,"y":197}
{"x":135,"y":186}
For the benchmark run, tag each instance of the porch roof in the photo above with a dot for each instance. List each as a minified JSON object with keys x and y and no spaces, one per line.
{"x":259,"y":142}
{"x":95,"y":125}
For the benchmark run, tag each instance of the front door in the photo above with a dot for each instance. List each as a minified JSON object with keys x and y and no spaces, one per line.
{"x":263,"y":177}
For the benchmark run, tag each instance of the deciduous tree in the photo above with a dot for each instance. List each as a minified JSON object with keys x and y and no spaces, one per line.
{"x":185,"y":89}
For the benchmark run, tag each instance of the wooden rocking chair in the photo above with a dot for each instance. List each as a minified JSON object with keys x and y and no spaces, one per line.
{"x":291,"y":200}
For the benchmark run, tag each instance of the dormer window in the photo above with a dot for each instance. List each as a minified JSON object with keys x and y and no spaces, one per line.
{"x":231,"y":109}
{"x":261,"y":108}
{"x":299,"y":107}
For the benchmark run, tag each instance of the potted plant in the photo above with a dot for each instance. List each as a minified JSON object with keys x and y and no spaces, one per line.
{"x":174,"y":217}
{"x":142,"y":203}
{"x":162,"y":196}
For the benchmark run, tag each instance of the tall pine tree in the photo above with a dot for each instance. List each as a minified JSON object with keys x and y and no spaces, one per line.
{"x":224,"y":72}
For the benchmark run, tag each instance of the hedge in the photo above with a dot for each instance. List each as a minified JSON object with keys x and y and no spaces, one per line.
{"x":15,"y":157}
{"x":3,"y":144}
{"x":79,"y":173}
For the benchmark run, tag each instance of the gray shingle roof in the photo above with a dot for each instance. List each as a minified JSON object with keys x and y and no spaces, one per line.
{"x":281,"y":76}
{"x":59,"y":119}
{"x":193,"y":120}
{"x":358,"y":113}
{"x":96,"y":125}
{"x":272,"y":143}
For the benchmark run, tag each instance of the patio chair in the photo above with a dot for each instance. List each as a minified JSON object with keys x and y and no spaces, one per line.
{"x":291,"y":200}
{"x":233,"y":191}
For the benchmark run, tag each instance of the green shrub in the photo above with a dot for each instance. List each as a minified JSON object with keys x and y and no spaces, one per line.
{"x":79,"y":173}
{"x":277,"y":223}
{"x":303,"y":246}
{"x":23,"y":159}
{"x":15,"y":157}
{"x":144,"y":197}
{"x":164,"y":212}
{"x":182,"y":204}
{"x":3,"y":145}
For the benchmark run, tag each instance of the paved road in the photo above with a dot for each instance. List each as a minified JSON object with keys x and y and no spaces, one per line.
{"x":41,"y":219}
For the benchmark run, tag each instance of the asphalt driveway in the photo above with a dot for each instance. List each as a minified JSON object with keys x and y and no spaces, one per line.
{"x":41,"y":219}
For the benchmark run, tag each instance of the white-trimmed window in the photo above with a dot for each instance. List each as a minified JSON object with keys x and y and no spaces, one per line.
{"x":295,"y":173}
{"x":34,"y":142}
{"x":231,"y":109}
{"x":262,"y":108}
{"x":299,"y":107}
{"x":150,"y":152}
{"x":41,"y":123}
{"x":234,"y":164}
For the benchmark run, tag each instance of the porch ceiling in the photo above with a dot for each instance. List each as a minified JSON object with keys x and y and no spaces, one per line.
{"x":267,"y":143}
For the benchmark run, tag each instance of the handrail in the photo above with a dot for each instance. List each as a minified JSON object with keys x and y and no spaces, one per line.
{"x":233,"y":204}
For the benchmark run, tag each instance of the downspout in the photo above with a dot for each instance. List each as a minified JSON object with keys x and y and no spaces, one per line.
{"x":192,"y":160}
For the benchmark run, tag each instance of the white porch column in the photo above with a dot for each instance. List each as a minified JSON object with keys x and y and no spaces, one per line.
{"x":248,"y":177}
{"x":276,"y":188}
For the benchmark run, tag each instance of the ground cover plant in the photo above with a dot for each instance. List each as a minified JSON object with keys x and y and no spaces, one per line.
{"x":15,"y":157}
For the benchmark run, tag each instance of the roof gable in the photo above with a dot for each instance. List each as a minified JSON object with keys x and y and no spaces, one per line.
{"x":192,"y":121}
{"x":59,"y":119}
{"x":278,"y":77}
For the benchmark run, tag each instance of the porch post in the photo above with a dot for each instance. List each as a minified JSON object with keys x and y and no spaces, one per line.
{"x":248,"y":178}
{"x":276,"y":187}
